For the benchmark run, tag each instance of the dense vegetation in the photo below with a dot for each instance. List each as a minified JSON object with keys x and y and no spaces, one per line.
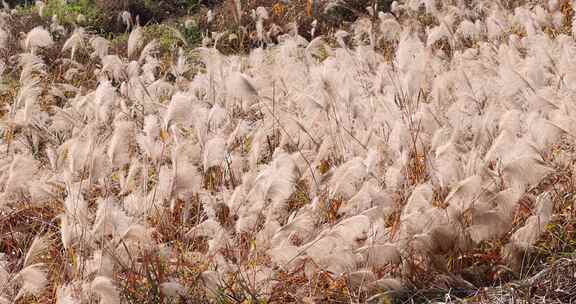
{"x":268,"y":151}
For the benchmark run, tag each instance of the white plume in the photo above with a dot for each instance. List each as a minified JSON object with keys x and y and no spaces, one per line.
{"x":36,"y":38}
{"x":105,"y":289}
{"x":135,"y":41}
{"x":34,"y":279}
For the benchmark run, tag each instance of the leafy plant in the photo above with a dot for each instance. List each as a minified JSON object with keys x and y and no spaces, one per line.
{"x":68,"y":13}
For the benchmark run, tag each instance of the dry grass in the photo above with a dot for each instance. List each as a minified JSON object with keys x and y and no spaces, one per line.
{"x":544,"y":274}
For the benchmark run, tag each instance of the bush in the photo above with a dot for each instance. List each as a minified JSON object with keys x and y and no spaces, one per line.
{"x":349,"y":10}
{"x":173,"y":35}
{"x":68,"y":14}
{"x":149,"y":10}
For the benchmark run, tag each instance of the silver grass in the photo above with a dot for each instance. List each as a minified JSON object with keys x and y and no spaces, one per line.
{"x":100,"y":46}
{"x":489,"y":225}
{"x":135,"y":41}
{"x":99,"y":165}
{"x":135,"y":233}
{"x":211,"y":281}
{"x":436,"y":34}
{"x":395,"y":177}
{"x":76,"y":152}
{"x":511,"y":122}
{"x":105,"y":289}
{"x":149,"y":70}
{"x":528,"y":235}
{"x":4,"y":35}
{"x":301,"y":226}
{"x":420,"y":199}
{"x":126,"y":18}
{"x":136,"y":204}
{"x":150,"y":49}
{"x":130,"y":182}
{"x":34,"y":280}
{"x":285,"y":256}
{"x":80,"y":19}
{"x":369,"y":196}
{"x":238,"y":7}
{"x":347,"y":178}
{"x":164,"y":186}
{"x":314,"y":25}
{"x":440,"y":238}
{"x":4,"y":274}
{"x":214,"y":153}
{"x":40,"y":5}
{"x":274,"y":185}
{"x":544,"y":133}
{"x":31,"y":65}
{"x":173,"y":289}
{"x":563,"y":121}
{"x":26,"y":99}
{"x":209,"y":16}
{"x":75,"y":42}
{"x":448,"y":165}
{"x":501,"y":147}
{"x":179,"y":110}
{"x":247,"y":221}
{"x":239,"y":86}
{"x":36,"y":38}
{"x":207,"y":228}
{"x":390,"y":29}
{"x":485,"y":116}
{"x":133,"y":70}
{"x":543,"y":101}
{"x":100,"y":264}
{"x":70,"y":230}
{"x":36,"y":250}
{"x":161,"y":89}
{"x":316,"y":47}
{"x":265,"y":235}
{"x":186,"y":179}
{"x":506,"y":202}
{"x":65,"y":295}
{"x":119,"y":150}
{"x":524,"y":173}
{"x":19,"y":174}
{"x":114,"y":66}
{"x":379,"y":255}
{"x":56,"y":27}
{"x":181,"y":66}
{"x":464,"y":195}
{"x":323,"y":244}
{"x":104,"y":98}
{"x":353,"y":230}
{"x":338,"y":262}
{"x":40,"y":191}
{"x":340,"y":36}
{"x":467,"y":29}
{"x":110,"y":219}
{"x":218,"y":242}
{"x":408,"y":48}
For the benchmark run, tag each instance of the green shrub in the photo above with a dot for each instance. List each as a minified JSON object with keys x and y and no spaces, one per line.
{"x":192,"y":33}
{"x":188,"y":4}
{"x":349,"y":10}
{"x":68,"y":14}
{"x":173,"y":35}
